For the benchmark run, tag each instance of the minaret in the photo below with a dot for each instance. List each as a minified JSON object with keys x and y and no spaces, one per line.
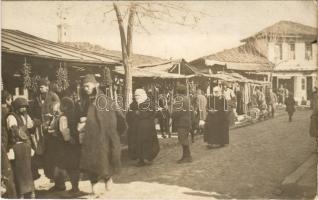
{"x":63,"y":34}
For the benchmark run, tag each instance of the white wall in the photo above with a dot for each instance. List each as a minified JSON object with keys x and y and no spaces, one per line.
{"x":299,"y":93}
{"x":299,"y":51}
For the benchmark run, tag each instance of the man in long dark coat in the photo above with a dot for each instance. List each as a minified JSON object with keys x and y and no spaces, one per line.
{"x":217,"y":123}
{"x":143,"y":142}
{"x":290,"y":106}
{"x":101,"y":149}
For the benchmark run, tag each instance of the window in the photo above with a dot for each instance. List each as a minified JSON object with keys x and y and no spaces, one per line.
{"x":279,"y":51}
{"x":303,"y":84}
{"x":308,"y":51}
{"x":292,"y":55}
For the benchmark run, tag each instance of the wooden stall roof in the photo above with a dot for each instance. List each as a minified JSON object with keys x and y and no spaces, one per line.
{"x":154,"y":71}
{"x":21,"y":43}
{"x":234,"y":77}
{"x":165,"y":71}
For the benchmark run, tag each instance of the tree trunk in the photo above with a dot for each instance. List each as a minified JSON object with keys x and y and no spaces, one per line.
{"x":126,"y":63}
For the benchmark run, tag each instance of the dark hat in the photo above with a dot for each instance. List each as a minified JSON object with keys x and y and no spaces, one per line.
{"x":20,"y":102}
{"x":5,"y":95}
{"x":89,"y":78}
{"x":181,"y":89}
{"x":67,"y":104}
{"x":44,"y":82}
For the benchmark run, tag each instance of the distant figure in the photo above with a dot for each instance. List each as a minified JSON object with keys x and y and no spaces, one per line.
{"x":261,"y":102}
{"x":217,"y":122}
{"x":230,"y":97}
{"x":271,"y":100}
{"x":281,"y":94}
{"x":290,"y":106}
{"x":201,"y":109}
{"x":239,"y":100}
{"x":163,"y":115}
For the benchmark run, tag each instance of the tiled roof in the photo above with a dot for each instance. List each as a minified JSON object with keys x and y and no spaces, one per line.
{"x":138,"y":59}
{"x":18,"y":42}
{"x":244,"y":57}
{"x":287,"y":28}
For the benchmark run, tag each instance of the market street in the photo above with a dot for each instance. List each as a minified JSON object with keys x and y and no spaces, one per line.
{"x":254,"y":165}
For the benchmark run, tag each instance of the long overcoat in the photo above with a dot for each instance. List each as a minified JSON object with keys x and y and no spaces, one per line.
{"x":142,"y":136}
{"x":217,"y":122}
{"x":100,"y":149}
{"x":290,"y":105}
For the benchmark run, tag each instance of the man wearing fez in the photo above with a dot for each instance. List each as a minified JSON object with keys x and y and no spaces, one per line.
{"x":101,"y":149}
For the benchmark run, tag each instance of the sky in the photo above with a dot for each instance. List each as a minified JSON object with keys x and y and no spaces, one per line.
{"x":222,"y":26}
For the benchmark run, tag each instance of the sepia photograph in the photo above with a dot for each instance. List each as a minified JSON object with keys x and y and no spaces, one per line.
{"x":196,"y":100}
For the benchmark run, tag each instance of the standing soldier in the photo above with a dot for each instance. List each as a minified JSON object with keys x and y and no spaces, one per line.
{"x":18,"y":124}
{"x":181,"y":122}
{"x":101,"y":149}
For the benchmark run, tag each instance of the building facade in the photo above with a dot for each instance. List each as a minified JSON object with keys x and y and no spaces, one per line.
{"x":291,"y":48}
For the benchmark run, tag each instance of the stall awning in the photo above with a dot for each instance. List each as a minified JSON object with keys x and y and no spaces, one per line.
{"x":20,"y":43}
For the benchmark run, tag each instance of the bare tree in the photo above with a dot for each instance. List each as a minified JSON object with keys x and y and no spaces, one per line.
{"x":167,"y":12}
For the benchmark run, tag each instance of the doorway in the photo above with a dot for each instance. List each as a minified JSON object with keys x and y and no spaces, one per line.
{"x":309,"y":87}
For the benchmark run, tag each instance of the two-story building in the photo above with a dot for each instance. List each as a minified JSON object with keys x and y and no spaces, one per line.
{"x":291,"y":47}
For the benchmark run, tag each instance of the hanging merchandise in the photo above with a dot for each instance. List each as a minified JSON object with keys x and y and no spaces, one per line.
{"x":62,"y":78}
{"x":106,"y":77}
{"x":34,"y":82}
{"x":26,"y":71}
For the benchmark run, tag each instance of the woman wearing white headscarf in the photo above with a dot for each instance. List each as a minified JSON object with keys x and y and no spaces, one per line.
{"x":143,"y":142}
{"x":217,"y":123}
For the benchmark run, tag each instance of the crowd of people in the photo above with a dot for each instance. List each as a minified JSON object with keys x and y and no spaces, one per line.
{"x":66,"y":136}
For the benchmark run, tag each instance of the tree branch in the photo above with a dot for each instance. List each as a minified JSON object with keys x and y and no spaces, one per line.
{"x":122,"y":32}
{"x":130,"y":26}
{"x":141,"y":25}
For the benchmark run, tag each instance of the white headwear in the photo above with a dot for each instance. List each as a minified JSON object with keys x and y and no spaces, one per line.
{"x":140,"y":96}
{"x":216,"y":89}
